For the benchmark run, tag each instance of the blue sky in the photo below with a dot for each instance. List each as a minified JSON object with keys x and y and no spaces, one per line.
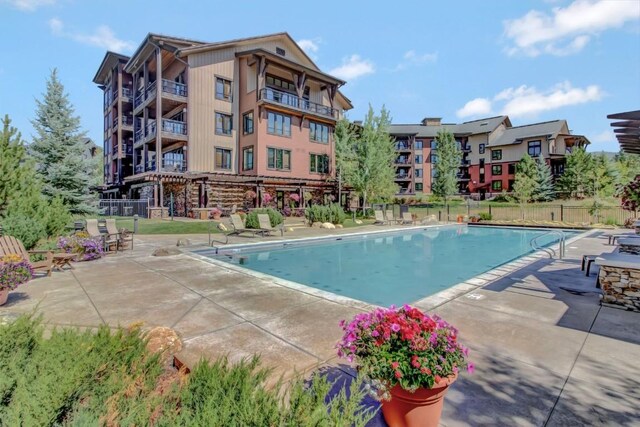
{"x":533,"y":60}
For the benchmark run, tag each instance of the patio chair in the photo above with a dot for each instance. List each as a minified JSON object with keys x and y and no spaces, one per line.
{"x":108,"y":240}
{"x":122,"y":236}
{"x":407,"y":218}
{"x":380,"y":219}
{"x":265,"y":225}
{"x":9,"y":245}
{"x":390,"y":218}
{"x":614,"y":237}
{"x":239,"y":226}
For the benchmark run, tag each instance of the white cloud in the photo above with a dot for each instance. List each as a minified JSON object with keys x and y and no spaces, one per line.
{"x":525,"y":101}
{"x":410,"y":57}
{"x":28,"y":5}
{"x":310,"y":46}
{"x":353,"y":67}
{"x":604,"y":136}
{"x":567,"y":30}
{"x":475,"y":107}
{"x":102,"y":37}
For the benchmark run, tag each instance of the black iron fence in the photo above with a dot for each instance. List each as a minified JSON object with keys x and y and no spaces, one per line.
{"x":109,"y":207}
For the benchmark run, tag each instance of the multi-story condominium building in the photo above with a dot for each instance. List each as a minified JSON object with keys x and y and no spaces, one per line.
{"x":207,"y":122}
{"x":490,"y":148}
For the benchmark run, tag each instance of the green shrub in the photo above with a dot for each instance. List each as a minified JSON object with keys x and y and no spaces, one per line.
{"x":57,"y":217}
{"x":611,"y":221}
{"x":275,"y":217}
{"x":485,"y":216}
{"x":332,"y":213}
{"x":28,"y":229}
{"x":109,"y":378}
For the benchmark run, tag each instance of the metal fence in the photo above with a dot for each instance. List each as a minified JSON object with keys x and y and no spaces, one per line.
{"x":127,"y":207}
{"x":567,"y":214}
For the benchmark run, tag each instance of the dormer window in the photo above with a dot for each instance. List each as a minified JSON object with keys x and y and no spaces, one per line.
{"x":280,"y":51}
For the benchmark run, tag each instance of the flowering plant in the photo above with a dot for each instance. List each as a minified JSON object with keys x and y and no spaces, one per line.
{"x":249,"y":195}
{"x":14,"y":271}
{"x":295,"y":197}
{"x":215,"y":212}
{"x":86,"y":247}
{"x":402,"y":346}
{"x":266,"y":198}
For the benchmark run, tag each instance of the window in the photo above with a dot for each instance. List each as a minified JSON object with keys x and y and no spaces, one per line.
{"x":319,"y":163}
{"x":481,"y":149}
{"x":433,"y":144}
{"x":434,"y":158}
{"x":418,"y":144}
{"x":279,"y":159}
{"x":481,"y":176}
{"x":535,"y":148}
{"x":511,"y":184}
{"x":280,"y":51}
{"x":496,"y":154}
{"x":496,"y":170}
{"x":418,"y":186}
{"x":223,"y":124}
{"x":318,"y":132}
{"x":247,"y":159}
{"x":278,"y":124}
{"x":223,"y":158}
{"x":512,"y":168}
{"x":418,"y":173}
{"x":496,"y":185}
{"x":418,"y":159}
{"x":223,"y":89}
{"x":280,"y":83}
{"x":247,"y":123}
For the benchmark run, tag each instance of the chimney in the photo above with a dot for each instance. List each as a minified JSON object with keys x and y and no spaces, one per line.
{"x":431,"y":121}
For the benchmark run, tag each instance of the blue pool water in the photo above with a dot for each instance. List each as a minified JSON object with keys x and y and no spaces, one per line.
{"x":397,"y":268}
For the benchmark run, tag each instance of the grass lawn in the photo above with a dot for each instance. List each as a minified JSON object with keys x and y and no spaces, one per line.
{"x":165,"y":226}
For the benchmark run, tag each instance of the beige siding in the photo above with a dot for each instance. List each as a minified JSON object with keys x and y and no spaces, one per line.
{"x":474,"y":142}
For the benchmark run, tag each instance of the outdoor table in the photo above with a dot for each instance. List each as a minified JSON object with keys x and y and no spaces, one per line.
{"x":61,"y":260}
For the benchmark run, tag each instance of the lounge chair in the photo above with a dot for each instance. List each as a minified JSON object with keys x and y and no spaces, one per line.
{"x":122,"y":236}
{"x":380,"y":220}
{"x":614,"y":237}
{"x":108,"y":240}
{"x":265,"y":225}
{"x":407,"y":218}
{"x":239,"y":226}
{"x":9,"y":245}
{"x":390,"y":218}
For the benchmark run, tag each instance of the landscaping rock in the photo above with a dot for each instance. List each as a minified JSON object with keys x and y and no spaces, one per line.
{"x":358,"y":221}
{"x":183,"y":242}
{"x":166,"y":252}
{"x":339,"y":226}
{"x":316,"y":225}
{"x":327,"y":225}
{"x":164,"y":341}
{"x":288,"y":229}
{"x":222,"y":227}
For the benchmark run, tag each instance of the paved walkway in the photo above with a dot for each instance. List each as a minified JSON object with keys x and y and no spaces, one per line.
{"x":546,"y":353}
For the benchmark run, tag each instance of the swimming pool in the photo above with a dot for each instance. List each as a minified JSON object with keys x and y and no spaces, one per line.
{"x":390,"y":268}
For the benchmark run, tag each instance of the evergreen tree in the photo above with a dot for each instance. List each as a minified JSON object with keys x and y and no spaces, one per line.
{"x":365,"y":158}
{"x":627,"y":167}
{"x":526,"y":182}
{"x":445,"y":181}
{"x":576,"y":181}
{"x":603,"y":176}
{"x":344,"y":136}
{"x":544,"y":190}
{"x":58,"y":150}
{"x":17,"y":176}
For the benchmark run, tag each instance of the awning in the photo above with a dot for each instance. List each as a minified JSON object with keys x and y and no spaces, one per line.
{"x":627,"y":130}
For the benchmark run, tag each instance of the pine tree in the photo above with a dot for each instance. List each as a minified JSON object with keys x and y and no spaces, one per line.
{"x":526,"y":182}
{"x":576,"y":181}
{"x":445,"y":182}
{"x":603,"y":176}
{"x":365,"y":158}
{"x":544,"y":190}
{"x":17,"y":176}
{"x":58,"y":150}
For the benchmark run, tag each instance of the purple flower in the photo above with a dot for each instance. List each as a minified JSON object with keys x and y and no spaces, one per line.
{"x":395,"y":327}
{"x":471,"y":367}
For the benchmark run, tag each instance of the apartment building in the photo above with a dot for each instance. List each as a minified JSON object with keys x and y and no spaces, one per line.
{"x":490,"y":147}
{"x":207,"y":122}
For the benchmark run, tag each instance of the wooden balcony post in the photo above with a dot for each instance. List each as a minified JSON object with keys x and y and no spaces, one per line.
{"x":159,"y":114}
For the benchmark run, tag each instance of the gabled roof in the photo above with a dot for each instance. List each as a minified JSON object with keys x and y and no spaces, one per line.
{"x":515,"y":135}
{"x":108,"y":62}
{"x":467,"y":128}
{"x":153,"y":39}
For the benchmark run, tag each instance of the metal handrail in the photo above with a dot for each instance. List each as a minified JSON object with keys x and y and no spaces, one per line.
{"x":550,"y":251}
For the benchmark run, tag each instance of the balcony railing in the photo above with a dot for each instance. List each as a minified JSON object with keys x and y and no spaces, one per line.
{"x":174,"y":165}
{"x":403,"y":176}
{"x":291,"y":100}
{"x":138,"y":135}
{"x":174,"y":126}
{"x":403,"y":161}
{"x":174,"y":88}
{"x":126,"y":92}
{"x":403,"y":146}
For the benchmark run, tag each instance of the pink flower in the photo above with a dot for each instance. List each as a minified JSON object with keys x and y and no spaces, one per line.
{"x":395,"y":327}
{"x":395,"y":365}
{"x":471,"y":368}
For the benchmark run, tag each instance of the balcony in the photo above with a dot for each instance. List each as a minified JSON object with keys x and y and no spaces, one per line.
{"x":465,"y":149}
{"x":403,"y":161}
{"x":173,"y":88}
{"x":289,"y":100}
{"x":137,"y":137}
{"x":174,"y":127}
{"x":463,"y":177}
{"x":127,"y":93}
{"x":174,"y":165}
{"x":126,"y":121}
{"x":464,"y":163}
{"x":403,"y":177}
{"x":403,"y":146}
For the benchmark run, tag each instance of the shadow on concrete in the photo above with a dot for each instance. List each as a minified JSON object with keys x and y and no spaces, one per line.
{"x":16,"y":298}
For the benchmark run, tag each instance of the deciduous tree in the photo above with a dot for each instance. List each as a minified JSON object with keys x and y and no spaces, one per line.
{"x":448,"y":155}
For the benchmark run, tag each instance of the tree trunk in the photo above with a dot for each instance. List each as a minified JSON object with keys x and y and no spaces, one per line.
{"x":364,"y":204}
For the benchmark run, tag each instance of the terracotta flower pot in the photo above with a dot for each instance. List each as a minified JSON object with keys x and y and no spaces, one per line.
{"x":4,"y":294}
{"x":419,"y":409}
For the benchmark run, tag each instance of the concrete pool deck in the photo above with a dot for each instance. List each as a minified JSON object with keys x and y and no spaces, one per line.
{"x":546,"y":352}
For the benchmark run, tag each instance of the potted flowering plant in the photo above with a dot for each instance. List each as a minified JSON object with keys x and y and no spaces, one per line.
{"x":88,"y":248}
{"x":409,"y":360}
{"x":215,"y":213}
{"x":14,"y":271}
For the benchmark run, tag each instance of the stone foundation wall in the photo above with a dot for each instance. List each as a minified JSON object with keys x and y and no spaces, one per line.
{"x":621,"y":287}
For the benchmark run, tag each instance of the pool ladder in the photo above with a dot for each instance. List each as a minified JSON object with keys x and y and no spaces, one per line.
{"x":550,"y":251}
